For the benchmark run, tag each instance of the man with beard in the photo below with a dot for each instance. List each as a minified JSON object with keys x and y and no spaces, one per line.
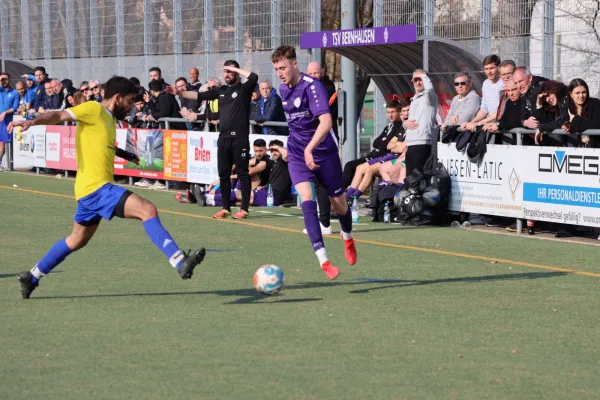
{"x":9,"y":103}
{"x":233,"y":145}
{"x":96,"y":194}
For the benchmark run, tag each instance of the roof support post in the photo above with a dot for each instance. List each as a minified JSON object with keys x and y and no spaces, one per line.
{"x":350,"y":137}
{"x":548,"y":40}
{"x":485,"y":28}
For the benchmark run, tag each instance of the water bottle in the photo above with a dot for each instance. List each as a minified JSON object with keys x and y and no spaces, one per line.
{"x":270,"y":199}
{"x":455,"y":224}
{"x":355,"y":215}
{"x":386,"y":213}
{"x":530,"y":227}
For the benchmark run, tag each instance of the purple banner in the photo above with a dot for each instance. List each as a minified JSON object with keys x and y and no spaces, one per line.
{"x":359,"y":37}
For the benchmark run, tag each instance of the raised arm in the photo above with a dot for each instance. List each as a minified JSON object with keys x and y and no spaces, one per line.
{"x":49,"y":118}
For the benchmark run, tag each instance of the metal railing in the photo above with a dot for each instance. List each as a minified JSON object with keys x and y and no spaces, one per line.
{"x":167,"y":121}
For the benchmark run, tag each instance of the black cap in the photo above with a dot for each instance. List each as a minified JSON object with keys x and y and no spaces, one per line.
{"x":450,"y":134}
{"x":477,"y":147}
{"x":463,"y":140}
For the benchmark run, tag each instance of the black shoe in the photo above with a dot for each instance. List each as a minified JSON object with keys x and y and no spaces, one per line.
{"x":190,"y":260}
{"x":27,"y":287}
{"x":201,"y":199}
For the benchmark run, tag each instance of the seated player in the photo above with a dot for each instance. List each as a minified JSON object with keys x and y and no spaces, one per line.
{"x":96,"y":194}
{"x":390,"y":145}
{"x":279,"y":177}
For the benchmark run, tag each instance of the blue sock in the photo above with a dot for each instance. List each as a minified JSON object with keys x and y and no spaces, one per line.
{"x":165,"y":243}
{"x":53,"y":257}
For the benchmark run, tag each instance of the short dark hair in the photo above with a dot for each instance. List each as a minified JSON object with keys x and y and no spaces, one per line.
{"x":155,"y":69}
{"x":260,"y":143}
{"x":404,"y":103}
{"x":134,"y":80}
{"x":231,"y":63}
{"x":138,"y":97}
{"x":84,"y":83}
{"x":491,"y":59}
{"x":284,"y":53}
{"x":181,"y":78}
{"x":118,"y":85}
{"x":41,"y":69}
{"x":276,"y":142}
{"x":508,"y":62}
{"x":393,"y":104}
{"x":5,"y":73}
{"x":155,"y":85}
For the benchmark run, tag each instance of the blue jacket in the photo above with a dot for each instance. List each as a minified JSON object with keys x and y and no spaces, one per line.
{"x":271,"y":109}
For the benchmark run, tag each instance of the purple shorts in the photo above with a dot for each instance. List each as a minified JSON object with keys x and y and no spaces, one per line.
{"x":329,"y":173}
{"x":260,"y":198}
{"x":382,"y":159}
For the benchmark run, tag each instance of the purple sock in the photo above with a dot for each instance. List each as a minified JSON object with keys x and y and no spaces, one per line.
{"x":357,"y":193}
{"x":350,"y":192}
{"x":311,"y":221}
{"x":346,"y":221}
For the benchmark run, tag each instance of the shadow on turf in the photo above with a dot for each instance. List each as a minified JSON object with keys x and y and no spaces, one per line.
{"x":2,"y":276}
{"x":250,"y":296}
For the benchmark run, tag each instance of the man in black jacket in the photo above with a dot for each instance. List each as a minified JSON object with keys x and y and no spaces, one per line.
{"x":233,"y":145}
{"x":165,"y":106}
{"x":529,"y":86}
{"x":269,"y":108}
{"x":509,"y":112}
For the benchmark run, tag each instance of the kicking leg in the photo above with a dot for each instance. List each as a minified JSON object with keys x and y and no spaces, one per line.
{"x":306,"y":191}
{"x":340,"y":206}
{"x":133,"y":206}
{"x":79,"y":237}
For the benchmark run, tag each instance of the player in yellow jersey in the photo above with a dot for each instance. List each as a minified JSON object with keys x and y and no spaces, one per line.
{"x":96,"y":194}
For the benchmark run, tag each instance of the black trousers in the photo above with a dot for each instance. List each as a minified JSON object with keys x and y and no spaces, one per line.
{"x":324,"y":204}
{"x":350,"y":170}
{"x":416,"y":157}
{"x":232,"y":151}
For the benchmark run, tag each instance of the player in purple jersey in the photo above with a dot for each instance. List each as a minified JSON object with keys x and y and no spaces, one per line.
{"x":313,"y":152}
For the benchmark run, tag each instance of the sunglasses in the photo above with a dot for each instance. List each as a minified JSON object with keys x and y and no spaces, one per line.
{"x":211,"y":87}
{"x":415,"y":80}
{"x":94,"y":88}
{"x":85,"y":89}
{"x":460,"y":84}
{"x":3,"y":80}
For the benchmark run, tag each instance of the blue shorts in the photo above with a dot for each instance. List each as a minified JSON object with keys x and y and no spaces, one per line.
{"x":101,"y":204}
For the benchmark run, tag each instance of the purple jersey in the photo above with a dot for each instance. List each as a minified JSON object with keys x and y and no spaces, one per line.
{"x":303,"y":104}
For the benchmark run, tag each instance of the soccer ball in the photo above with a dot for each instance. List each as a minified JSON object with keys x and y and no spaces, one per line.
{"x":268,"y":279}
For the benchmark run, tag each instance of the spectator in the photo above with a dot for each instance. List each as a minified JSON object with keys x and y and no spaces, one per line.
{"x":70,"y":100}
{"x":363,"y":177}
{"x":23,"y":104}
{"x":49,"y":100}
{"x":40,"y":95}
{"x":211,"y":113}
{"x":491,"y":92}
{"x":279,"y":177}
{"x":394,"y":171}
{"x":254,"y":105}
{"x":95,"y":89}
{"x":9,"y":103}
{"x":194,"y":83}
{"x":552,"y":111}
{"x":529,"y":87}
{"x":58,"y":97}
{"x":584,"y":112}
{"x":137,"y":116}
{"x":270,"y":109}
{"x":31,"y":92}
{"x":186,"y":104}
{"x":155,"y":74}
{"x":465,"y":104}
{"x":165,"y":106}
{"x":507,"y":68}
{"x":510,"y":115}
{"x":314,"y":69}
{"x":84,"y":88}
{"x":420,"y":123}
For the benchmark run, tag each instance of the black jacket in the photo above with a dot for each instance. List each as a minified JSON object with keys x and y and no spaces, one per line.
{"x":589,"y":120}
{"x":273,"y":111}
{"x":166,"y":106}
{"x":380,"y":144}
{"x":529,"y":102}
{"x":550,"y":121}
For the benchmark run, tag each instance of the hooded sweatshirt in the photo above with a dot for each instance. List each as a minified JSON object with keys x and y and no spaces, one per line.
{"x":423,"y":109}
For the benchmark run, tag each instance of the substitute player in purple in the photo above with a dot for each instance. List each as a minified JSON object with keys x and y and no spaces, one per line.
{"x":313,"y":152}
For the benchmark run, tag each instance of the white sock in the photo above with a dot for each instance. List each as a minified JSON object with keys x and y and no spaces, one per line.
{"x":322,"y":255}
{"x":176,"y":258}
{"x":346,"y":235}
{"x":37,"y":273}
{"x":210,"y":199}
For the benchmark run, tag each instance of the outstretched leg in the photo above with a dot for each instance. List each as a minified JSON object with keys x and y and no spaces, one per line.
{"x":306,"y":191}
{"x":136,"y":207}
{"x":340,"y":206}
{"x":77,"y":239}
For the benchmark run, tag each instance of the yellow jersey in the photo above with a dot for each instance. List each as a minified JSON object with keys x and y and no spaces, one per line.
{"x":95,"y":147}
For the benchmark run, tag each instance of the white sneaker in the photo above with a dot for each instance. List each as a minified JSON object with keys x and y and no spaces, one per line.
{"x":142,"y":183}
{"x":157,"y":186}
{"x":1,"y":168}
{"x":324,"y":230}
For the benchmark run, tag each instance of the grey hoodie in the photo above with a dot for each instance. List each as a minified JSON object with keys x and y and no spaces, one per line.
{"x":423,"y":109}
